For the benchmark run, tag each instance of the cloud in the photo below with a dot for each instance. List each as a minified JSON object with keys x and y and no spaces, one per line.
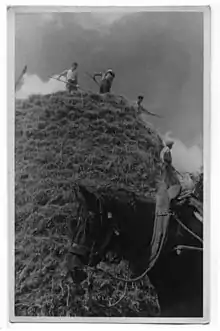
{"x":99,"y":21}
{"x":51,"y":18}
{"x":185,"y":158}
{"x":32,"y":84}
{"x":47,"y":17}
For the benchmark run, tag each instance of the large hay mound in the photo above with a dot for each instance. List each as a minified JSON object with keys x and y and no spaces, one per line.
{"x":61,"y":140}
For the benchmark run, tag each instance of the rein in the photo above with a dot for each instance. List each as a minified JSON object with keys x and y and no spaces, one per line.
{"x":117,"y":301}
{"x":90,"y":281}
{"x":136,"y":279}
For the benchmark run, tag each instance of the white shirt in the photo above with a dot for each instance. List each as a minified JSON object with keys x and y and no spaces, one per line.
{"x":72,"y":74}
{"x":163,"y":152}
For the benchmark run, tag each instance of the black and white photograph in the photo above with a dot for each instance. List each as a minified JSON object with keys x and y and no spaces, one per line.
{"x":108,"y":214}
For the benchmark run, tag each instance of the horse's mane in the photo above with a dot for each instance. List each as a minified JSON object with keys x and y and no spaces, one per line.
{"x":109,"y":193}
{"x":94,"y":195}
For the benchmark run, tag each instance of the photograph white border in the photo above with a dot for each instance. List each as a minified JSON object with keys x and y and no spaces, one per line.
{"x":206,"y":157}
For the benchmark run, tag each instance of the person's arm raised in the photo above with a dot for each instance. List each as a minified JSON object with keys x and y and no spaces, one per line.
{"x":63,"y":73}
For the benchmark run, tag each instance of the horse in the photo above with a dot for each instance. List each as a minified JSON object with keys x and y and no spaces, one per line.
{"x":124,"y":223}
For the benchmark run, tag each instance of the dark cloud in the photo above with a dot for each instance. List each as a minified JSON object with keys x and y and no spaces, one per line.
{"x":157,"y":54}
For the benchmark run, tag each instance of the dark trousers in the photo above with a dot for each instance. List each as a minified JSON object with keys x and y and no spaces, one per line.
{"x":71,"y":85}
{"x":105,"y":87}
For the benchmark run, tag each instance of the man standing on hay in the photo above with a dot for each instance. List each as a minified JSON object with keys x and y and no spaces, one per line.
{"x":71,"y":76}
{"x":169,"y":174}
{"x":106,"y":81}
{"x":169,"y":188}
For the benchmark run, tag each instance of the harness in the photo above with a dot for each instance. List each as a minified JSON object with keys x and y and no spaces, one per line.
{"x":81,"y":250}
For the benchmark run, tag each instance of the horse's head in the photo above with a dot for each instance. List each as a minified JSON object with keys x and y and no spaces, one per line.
{"x":91,"y":236}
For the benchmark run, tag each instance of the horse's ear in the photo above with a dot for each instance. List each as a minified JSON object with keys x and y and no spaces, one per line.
{"x":90,"y":199}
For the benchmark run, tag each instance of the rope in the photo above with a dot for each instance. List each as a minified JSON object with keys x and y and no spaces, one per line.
{"x":109,"y":305}
{"x":187,"y":229}
{"x":118,"y":301}
{"x":136,"y":279}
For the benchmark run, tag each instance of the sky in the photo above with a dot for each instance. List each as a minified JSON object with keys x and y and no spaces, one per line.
{"x":156,"y":54}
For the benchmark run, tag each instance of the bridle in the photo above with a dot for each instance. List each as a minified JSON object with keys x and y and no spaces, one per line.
{"x":82,"y":250}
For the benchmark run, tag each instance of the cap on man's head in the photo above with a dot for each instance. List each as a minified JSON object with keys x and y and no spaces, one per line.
{"x":169,"y":143}
{"x":111,"y":72}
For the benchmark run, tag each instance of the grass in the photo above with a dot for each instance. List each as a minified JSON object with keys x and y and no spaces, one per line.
{"x":60,"y":140}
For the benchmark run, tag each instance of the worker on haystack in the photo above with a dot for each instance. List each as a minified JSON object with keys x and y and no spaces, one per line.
{"x":140,"y":107}
{"x":140,"y":100}
{"x":138,"y":104}
{"x":168,"y":189}
{"x":71,"y":77}
{"x":106,"y":80}
{"x":169,"y":174}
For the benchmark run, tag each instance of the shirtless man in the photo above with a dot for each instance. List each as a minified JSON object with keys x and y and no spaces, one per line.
{"x":106,"y":80}
{"x":141,"y":109}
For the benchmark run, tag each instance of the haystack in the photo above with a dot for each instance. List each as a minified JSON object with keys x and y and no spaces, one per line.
{"x":61,"y":140}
